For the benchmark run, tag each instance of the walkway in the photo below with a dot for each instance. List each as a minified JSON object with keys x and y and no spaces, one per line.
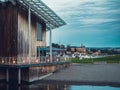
{"x":100,"y":74}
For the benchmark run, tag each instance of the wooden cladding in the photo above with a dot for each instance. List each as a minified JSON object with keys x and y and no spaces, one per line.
{"x":14,"y":23}
{"x":23,"y":28}
{"x":8,"y":30}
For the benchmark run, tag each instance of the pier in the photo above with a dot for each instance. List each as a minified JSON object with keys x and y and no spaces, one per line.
{"x":29,"y":73}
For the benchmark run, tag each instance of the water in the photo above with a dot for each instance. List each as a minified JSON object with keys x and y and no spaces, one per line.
{"x":93,"y":88}
{"x":55,"y":87}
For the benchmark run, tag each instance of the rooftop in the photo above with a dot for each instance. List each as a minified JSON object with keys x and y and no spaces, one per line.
{"x":41,"y":10}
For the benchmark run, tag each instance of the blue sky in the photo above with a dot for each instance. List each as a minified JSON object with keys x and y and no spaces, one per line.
{"x":94,"y":23}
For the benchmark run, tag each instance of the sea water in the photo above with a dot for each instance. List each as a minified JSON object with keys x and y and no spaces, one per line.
{"x":55,"y":87}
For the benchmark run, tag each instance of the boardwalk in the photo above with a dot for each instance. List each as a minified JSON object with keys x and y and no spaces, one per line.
{"x":101,"y":74}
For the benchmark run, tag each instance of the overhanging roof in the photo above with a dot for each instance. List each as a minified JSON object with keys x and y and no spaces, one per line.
{"x":41,"y":10}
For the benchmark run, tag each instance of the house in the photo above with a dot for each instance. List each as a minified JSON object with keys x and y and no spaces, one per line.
{"x":78,"y":50}
{"x":23,"y":26}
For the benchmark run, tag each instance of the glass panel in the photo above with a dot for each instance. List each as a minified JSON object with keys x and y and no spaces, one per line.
{"x":39,"y":32}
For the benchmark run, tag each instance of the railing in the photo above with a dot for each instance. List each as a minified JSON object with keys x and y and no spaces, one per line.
{"x":27,"y":60}
{"x":8,"y":60}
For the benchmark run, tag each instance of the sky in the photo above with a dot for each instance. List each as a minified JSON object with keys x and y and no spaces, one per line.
{"x":94,"y":23}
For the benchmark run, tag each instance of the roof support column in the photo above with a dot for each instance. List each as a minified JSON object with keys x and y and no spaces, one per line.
{"x":29,"y":33}
{"x":50,"y":43}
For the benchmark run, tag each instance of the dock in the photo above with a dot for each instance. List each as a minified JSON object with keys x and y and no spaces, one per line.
{"x":29,"y":73}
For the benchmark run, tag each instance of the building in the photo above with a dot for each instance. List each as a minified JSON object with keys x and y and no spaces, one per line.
{"x":78,"y":50}
{"x":23,"y":26}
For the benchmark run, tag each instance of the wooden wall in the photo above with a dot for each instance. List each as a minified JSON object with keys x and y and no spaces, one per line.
{"x":23,"y":27}
{"x":14,"y":31}
{"x":8,"y":30}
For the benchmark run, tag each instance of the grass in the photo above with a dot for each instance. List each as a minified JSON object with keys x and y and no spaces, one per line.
{"x":108,"y":59}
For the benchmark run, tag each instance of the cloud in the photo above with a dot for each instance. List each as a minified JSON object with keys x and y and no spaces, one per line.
{"x":86,"y":17}
{"x":96,"y":21}
{"x":59,"y":5}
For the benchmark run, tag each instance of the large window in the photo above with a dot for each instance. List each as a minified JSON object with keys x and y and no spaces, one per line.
{"x":39,"y":32}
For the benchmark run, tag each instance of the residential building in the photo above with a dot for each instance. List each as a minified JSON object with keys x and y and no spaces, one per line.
{"x":78,"y":49}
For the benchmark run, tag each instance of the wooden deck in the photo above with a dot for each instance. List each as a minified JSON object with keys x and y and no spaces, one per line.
{"x":29,"y":72}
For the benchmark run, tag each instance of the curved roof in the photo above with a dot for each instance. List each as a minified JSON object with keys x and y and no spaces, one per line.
{"x":39,"y":8}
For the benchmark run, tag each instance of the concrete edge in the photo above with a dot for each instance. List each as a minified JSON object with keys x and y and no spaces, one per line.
{"x":94,"y":83}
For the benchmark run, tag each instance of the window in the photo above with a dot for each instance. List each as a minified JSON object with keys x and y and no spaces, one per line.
{"x":39,"y":32}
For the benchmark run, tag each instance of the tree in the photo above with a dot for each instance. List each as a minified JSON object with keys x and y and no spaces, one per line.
{"x":55,"y":45}
{"x":68,"y":48}
{"x":62,"y":46}
{"x":75,"y":49}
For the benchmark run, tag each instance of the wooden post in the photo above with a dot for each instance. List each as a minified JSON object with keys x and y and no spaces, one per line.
{"x":7,"y":87}
{"x":65,"y":87}
{"x":19,"y":76}
{"x":7,"y":75}
{"x":48,"y":87}
{"x":19,"y":87}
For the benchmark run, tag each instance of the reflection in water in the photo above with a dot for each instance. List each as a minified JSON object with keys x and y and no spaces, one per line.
{"x":55,"y":87}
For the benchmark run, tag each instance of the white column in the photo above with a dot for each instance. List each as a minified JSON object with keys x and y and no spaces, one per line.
{"x":19,"y":76}
{"x":50,"y":43}
{"x":29,"y":33}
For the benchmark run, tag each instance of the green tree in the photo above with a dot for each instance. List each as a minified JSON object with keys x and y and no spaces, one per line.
{"x":68,"y":48}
